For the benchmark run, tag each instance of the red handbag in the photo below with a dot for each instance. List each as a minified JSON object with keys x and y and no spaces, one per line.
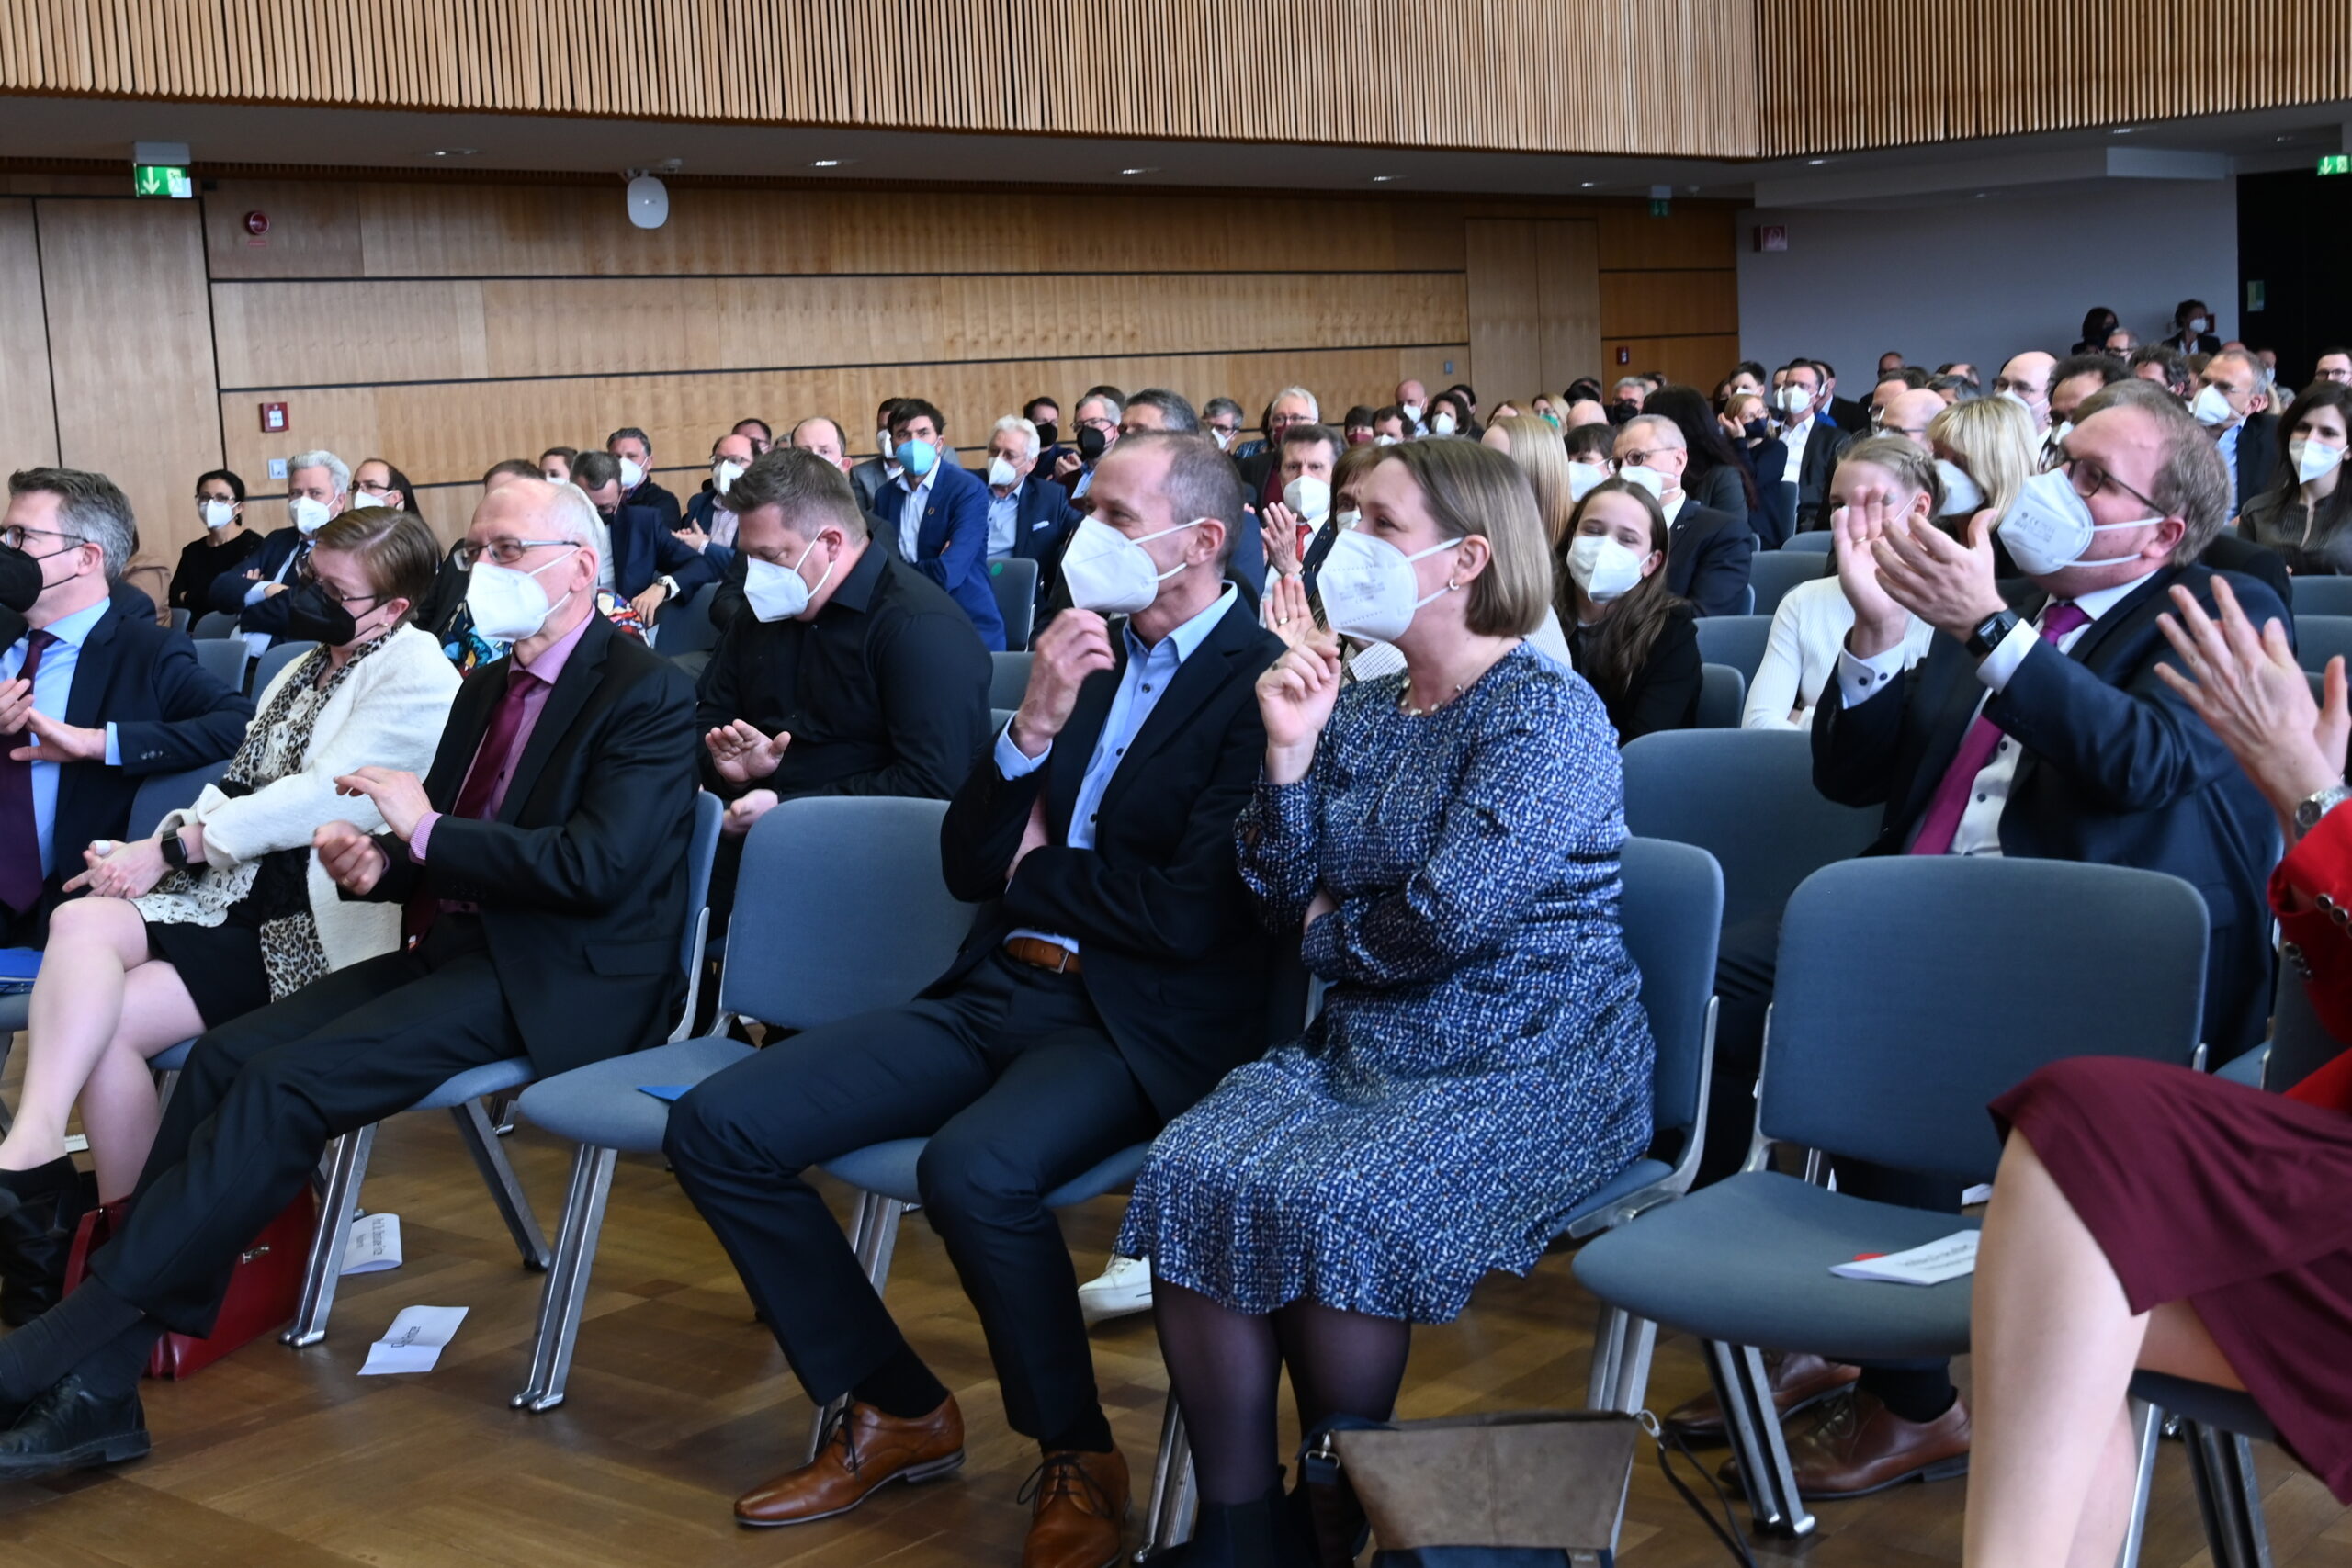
{"x":263,"y":1291}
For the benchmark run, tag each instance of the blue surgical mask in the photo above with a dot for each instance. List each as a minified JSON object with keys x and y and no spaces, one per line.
{"x":917,"y":457}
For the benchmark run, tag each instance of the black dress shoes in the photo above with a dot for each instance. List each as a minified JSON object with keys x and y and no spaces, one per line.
{"x":39,"y":1210}
{"x":72,"y":1427}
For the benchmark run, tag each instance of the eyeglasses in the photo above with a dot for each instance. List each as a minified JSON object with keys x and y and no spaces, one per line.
{"x":306,"y":576}
{"x":2089,"y":477}
{"x":506,"y":552}
{"x":1642,"y":459}
{"x":15,"y":535}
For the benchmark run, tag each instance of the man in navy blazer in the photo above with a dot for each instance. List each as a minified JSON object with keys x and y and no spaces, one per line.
{"x":317,"y":488}
{"x":1029,"y":516}
{"x":935,"y":516}
{"x":650,"y":564}
{"x":1711,"y":552}
{"x":112,"y":698}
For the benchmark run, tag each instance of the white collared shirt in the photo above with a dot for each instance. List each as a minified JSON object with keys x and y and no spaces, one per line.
{"x":910,"y":514}
{"x":1794,"y":438}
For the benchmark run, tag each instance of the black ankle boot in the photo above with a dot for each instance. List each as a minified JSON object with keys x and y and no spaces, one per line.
{"x":1246,"y":1534}
{"x":35,"y":1238}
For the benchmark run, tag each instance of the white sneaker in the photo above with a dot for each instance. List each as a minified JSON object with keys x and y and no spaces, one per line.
{"x":1124,"y":1286}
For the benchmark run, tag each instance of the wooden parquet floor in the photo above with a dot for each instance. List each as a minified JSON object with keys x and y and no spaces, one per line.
{"x":280,"y":1459}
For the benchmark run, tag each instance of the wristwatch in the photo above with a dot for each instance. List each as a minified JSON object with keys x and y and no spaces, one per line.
{"x":2312,"y":806}
{"x":175,"y":851}
{"x":1991,"y":632}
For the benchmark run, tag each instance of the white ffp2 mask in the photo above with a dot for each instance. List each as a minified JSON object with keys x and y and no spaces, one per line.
{"x":1368,"y":587}
{"x":1603,"y":567}
{"x":1110,"y":574}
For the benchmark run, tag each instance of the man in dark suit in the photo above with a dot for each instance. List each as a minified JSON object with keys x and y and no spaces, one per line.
{"x":2192,"y":330}
{"x":868,"y":476}
{"x":1115,"y":975}
{"x":935,"y":516}
{"x":651,"y":564}
{"x":1030,"y":516}
{"x":1711,"y":552}
{"x":709,"y":524}
{"x":638,"y":487}
{"x":544,"y":861}
{"x":2232,"y":404}
{"x":1262,"y":467}
{"x":1848,"y":415}
{"x":2045,"y":734}
{"x":1811,"y":445}
{"x":99,"y":698}
{"x":318,"y":489}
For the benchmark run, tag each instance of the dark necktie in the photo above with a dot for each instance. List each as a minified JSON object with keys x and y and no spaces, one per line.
{"x":494,"y":761}
{"x":1942,"y":824}
{"x":20,"y":879}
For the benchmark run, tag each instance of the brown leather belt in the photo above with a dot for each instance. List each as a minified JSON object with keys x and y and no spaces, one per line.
{"x":1042,"y":955}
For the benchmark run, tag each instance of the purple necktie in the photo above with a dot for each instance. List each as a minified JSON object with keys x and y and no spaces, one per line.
{"x":20,"y":879}
{"x":492,"y":758}
{"x":1942,"y":824}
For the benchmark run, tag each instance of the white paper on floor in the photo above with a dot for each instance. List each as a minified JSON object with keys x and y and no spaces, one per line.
{"x":1979,"y":1193}
{"x":415,"y":1341}
{"x":1948,"y":1259}
{"x":375,"y":1245}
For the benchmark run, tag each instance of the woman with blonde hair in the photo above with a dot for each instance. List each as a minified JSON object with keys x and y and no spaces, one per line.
{"x":1985,"y":451}
{"x":1543,"y":455}
{"x":1447,"y":838}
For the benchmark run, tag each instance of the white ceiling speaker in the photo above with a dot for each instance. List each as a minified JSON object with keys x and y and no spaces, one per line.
{"x":648,"y":201}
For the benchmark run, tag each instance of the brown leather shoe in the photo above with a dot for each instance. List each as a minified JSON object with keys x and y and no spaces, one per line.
{"x":1079,"y":1501}
{"x":1860,"y":1447}
{"x":865,"y":1451}
{"x":1798,"y":1381}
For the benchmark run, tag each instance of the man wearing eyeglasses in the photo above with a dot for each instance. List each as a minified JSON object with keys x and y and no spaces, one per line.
{"x":318,"y":489}
{"x":92,"y":698}
{"x":542,"y":866}
{"x":2042,"y":731}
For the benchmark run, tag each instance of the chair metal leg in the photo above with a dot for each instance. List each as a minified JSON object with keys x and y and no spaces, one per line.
{"x":166,"y":1084}
{"x":1168,"y":1518}
{"x":874,"y":1239}
{"x":1608,"y":1353}
{"x":567,"y":1287}
{"x":505,"y":1188}
{"x":2228,"y":1497}
{"x":2147,"y":1425}
{"x":1746,"y":1395}
{"x":347,"y":1167}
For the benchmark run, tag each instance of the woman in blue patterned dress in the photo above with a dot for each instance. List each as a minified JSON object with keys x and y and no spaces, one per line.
{"x":1449,"y":839}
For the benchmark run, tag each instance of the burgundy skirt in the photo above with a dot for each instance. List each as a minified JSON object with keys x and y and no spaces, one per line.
{"x":2235,"y":1200}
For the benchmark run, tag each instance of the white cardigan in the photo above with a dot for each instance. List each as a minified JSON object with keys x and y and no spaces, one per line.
{"x":1801,"y":655}
{"x":389,"y":713}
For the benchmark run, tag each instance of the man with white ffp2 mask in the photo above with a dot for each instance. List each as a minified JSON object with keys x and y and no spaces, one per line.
{"x":1798,"y":391}
{"x":318,"y":489}
{"x":850,"y":672}
{"x":2233,"y":402}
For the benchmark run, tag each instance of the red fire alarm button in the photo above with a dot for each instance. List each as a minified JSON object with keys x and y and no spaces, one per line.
{"x":273,"y":419}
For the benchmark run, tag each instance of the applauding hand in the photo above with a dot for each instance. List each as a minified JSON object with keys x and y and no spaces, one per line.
{"x":356,"y":860}
{"x":739,"y":753}
{"x":1295,"y":698}
{"x":2249,"y":687}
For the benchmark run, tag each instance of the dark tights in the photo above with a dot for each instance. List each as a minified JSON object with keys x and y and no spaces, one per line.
{"x":1224,"y":1367}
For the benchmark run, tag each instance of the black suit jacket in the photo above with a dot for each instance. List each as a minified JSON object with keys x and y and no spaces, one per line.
{"x":2117,"y":771}
{"x":271,"y":561}
{"x":643,"y":550}
{"x":1042,"y":519}
{"x":663,"y":503}
{"x":1822,"y":450}
{"x":1173,"y":958}
{"x":582,"y":879}
{"x":1708,"y":561}
{"x":2257,"y":457}
{"x":169,"y":714}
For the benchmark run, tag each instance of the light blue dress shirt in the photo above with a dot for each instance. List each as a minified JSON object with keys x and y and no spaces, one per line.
{"x":52,"y":686}
{"x":1140,"y":688}
{"x":1004,"y":516}
{"x":2229,"y":445}
{"x":911,"y":512}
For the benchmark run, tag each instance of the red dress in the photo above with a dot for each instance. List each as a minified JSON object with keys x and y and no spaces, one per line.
{"x":2235,"y":1200}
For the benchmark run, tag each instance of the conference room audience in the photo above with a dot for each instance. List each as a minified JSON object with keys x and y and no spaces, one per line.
{"x":1221,"y":420}
{"x":544,"y":856}
{"x":868,"y":476}
{"x":555,"y":465}
{"x":638,"y":487}
{"x":758,"y":431}
{"x":709,"y":524}
{"x":1628,"y":635}
{"x":2074,"y":378}
{"x":1809,"y":627}
{"x":222,"y":549}
{"x":1298,"y":520}
{"x":1447,"y":839}
{"x":1986,"y":449}
{"x":2165,"y":367}
{"x":376,"y":482}
{"x":2100,"y":324}
{"x":2333,"y":365}
{"x":1261,"y":462}
{"x":650,"y":564}
{"x":1809,"y":445}
{"x":824,"y":436}
{"x":100,"y":696}
{"x":2148,"y":1216}
{"x":318,"y":489}
{"x":2025,"y":381}
{"x":1115,"y":975}
{"x":1046,"y":414}
{"x":1541,"y":454}
{"x":225,"y":906}
{"x":2233,"y":402}
{"x":1451,"y":414}
{"x":1097,"y":419}
{"x":935,"y":514}
{"x":2306,"y":514}
{"x":851,"y":673}
{"x":2192,"y":328}
{"x":1714,"y":477}
{"x":1710,"y":554}
{"x":1030,"y":516}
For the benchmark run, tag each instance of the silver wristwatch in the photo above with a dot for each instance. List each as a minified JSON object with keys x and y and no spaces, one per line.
{"x":2312,"y":806}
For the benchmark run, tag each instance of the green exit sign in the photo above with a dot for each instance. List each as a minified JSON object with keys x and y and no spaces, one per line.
{"x":2336,"y":163}
{"x":161,"y":179}
{"x":1661,"y":208}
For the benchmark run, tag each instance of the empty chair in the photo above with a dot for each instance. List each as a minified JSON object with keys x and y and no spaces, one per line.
{"x":1723,"y":694}
{"x":2319,"y":639}
{"x":685,"y":626}
{"x":214,"y":623}
{"x":1818,"y":541}
{"x":177,"y":618}
{"x":1014,"y":583}
{"x":225,"y":659}
{"x":1773,"y":573}
{"x":1911,"y":990}
{"x":267,"y":667}
{"x":1735,"y":640}
{"x":1010,"y":680}
{"x":890,"y":928}
{"x":2323,"y":595}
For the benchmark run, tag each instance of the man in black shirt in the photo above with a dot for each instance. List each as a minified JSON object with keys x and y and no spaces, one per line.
{"x":851,"y":674}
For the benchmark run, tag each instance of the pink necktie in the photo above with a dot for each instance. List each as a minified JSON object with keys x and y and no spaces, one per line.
{"x":1942,"y":824}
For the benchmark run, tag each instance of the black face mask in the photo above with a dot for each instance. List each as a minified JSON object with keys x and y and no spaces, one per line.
{"x":1048,"y":433}
{"x":1756,"y":429}
{"x":1622,"y":411}
{"x":1093,"y":444}
{"x":19,"y":580}
{"x":312,"y":616}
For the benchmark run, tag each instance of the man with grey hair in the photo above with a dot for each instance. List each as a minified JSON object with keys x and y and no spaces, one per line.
{"x":638,"y":487}
{"x":2232,"y":404}
{"x":1097,"y":418}
{"x":1710,"y":552}
{"x":318,"y":489}
{"x":99,"y":698}
{"x":1156,"y":408}
{"x":543,"y":864}
{"x":1029,"y":516}
{"x":1221,"y":421}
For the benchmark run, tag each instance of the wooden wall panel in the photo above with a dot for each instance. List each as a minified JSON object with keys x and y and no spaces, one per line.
{"x":1845,"y":74}
{"x":28,"y":412}
{"x":1519,"y":74}
{"x":130,"y":349}
{"x":1506,"y":306}
{"x":1671,"y":304}
{"x":1700,"y":361}
{"x":1570,"y":290}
